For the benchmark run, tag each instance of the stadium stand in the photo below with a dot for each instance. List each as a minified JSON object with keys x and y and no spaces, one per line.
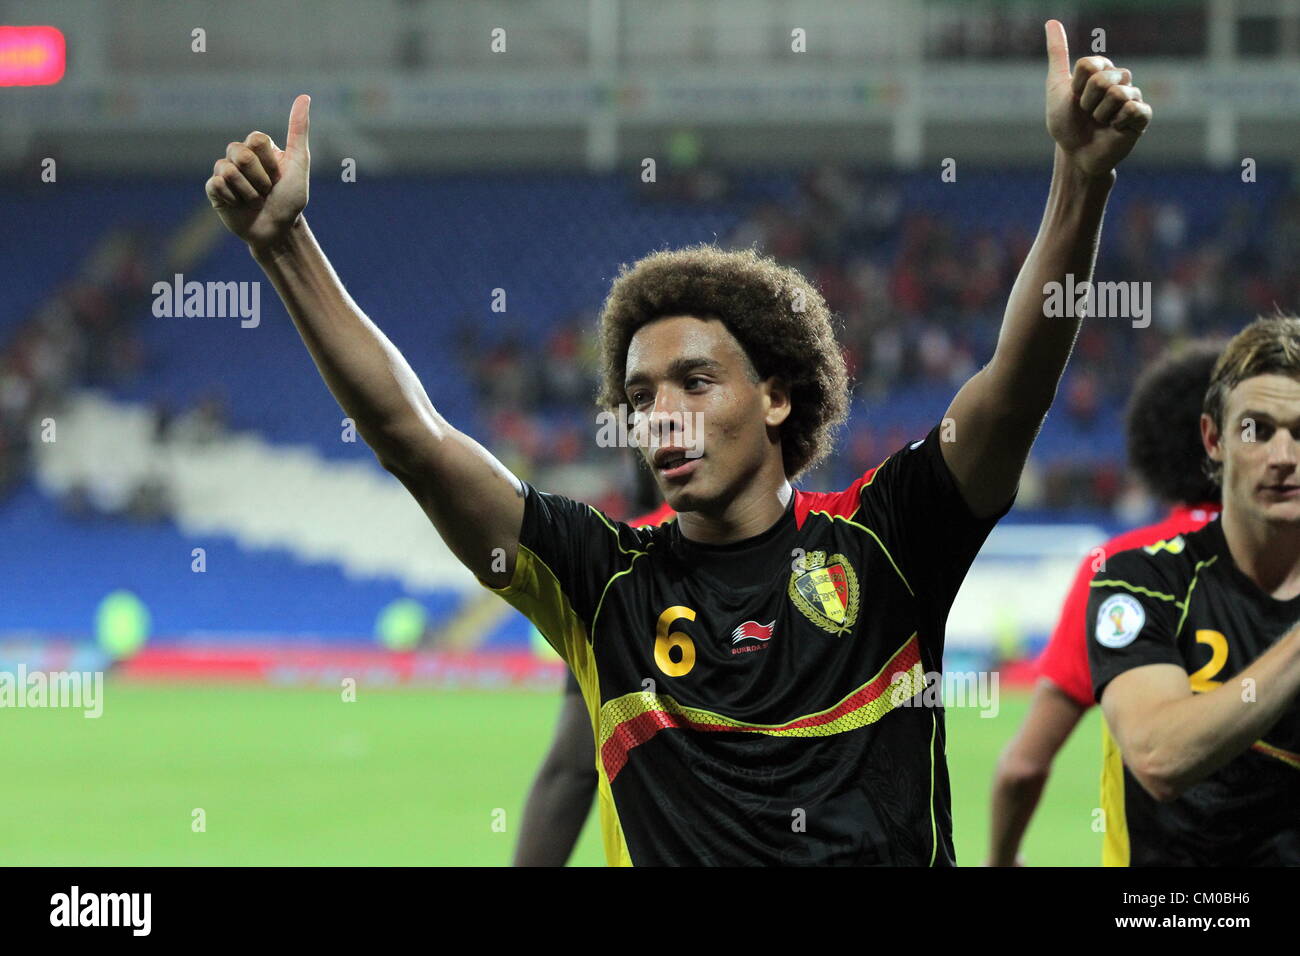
{"x":168,"y":425}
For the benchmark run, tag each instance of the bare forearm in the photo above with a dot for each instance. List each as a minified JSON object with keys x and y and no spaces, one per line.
{"x":554,"y":815}
{"x":1187,"y":740}
{"x":1024,"y":767}
{"x":1014,"y":802}
{"x":260,"y":191}
{"x":1033,"y":347}
{"x":998,"y":412}
{"x":366,"y":373}
{"x":1094,"y":116}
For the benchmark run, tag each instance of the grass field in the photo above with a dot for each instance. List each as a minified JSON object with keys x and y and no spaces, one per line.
{"x":295,"y":776}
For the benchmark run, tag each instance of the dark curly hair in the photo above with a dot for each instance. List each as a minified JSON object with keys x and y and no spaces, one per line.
{"x":780,"y":320}
{"x":1164,"y":425}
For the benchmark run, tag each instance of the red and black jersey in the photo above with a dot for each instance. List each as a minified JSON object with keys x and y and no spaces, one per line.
{"x":1065,"y":659}
{"x":1184,"y":601}
{"x":753,"y":703}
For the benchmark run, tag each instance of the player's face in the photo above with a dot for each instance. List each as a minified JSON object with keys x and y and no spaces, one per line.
{"x":709,"y":427}
{"x":1260,"y":448}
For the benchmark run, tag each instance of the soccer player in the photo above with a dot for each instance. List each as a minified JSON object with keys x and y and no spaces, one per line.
{"x":1194,"y":644}
{"x":741,"y":664}
{"x":1164,"y":449}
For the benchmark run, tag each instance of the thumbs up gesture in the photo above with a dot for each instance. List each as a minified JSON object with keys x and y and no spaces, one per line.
{"x":1095,"y":114}
{"x":260,"y":190}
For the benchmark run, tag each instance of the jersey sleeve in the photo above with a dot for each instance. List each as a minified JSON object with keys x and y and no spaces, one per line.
{"x":1065,"y":659}
{"x":1132,"y":619}
{"x":911,"y":501}
{"x":568,"y":552}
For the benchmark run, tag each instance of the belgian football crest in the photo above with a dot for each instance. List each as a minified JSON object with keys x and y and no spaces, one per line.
{"x":826,"y":591}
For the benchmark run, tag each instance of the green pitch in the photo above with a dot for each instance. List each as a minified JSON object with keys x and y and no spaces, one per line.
{"x":296,"y":776}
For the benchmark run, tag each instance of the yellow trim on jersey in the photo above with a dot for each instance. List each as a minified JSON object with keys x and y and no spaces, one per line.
{"x":849,"y":520}
{"x":535,"y":591}
{"x":605,"y":590}
{"x":866,"y":484}
{"x":1114,"y":844}
{"x":614,"y":531}
{"x":1187,"y":600}
{"x":902,"y":686}
{"x":876,"y":537}
{"x":1277,"y":753}
{"x":1116,"y":583}
{"x":1173,"y":545}
{"x":934,"y":826}
{"x":611,"y":828}
{"x":934,"y":727}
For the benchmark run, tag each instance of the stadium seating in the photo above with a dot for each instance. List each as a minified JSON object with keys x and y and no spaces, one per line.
{"x":317,"y":537}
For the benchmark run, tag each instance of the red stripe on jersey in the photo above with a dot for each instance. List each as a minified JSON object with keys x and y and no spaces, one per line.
{"x":640,"y":728}
{"x":1065,"y":659}
{"x":656,"y":517}
{"x":1269,"y":750}
{"x":843,"y":503}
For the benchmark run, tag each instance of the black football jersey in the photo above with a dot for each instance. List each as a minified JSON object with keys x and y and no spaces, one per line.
{"x":1184,"y":601}
{"x":757,"y":703}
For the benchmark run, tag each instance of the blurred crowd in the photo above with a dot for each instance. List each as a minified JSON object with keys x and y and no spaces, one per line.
{"x":920,"y":298}
{"x":87,"y":334}
{"x":149,"y":498}
{"x":918,"y":295}
{"x":82,"y":335}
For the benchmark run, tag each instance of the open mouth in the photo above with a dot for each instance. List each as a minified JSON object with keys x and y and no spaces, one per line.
{"x":674,"y":462}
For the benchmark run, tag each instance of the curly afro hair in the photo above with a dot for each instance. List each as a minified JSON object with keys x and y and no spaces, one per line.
{"x":1164,"y":425}
{"x":780,"y":320}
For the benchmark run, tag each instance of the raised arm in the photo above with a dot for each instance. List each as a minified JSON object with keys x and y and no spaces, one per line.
{"x":1172,"y":738}
{"x":260,"y":191}
{"x":1095,"y":117}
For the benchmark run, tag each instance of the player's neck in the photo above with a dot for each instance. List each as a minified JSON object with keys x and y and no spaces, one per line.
{"x":748,"y":515}
{"x":1266,"y":552}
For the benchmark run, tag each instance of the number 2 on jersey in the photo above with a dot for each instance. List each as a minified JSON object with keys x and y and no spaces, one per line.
{"x":1203,"y":680}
